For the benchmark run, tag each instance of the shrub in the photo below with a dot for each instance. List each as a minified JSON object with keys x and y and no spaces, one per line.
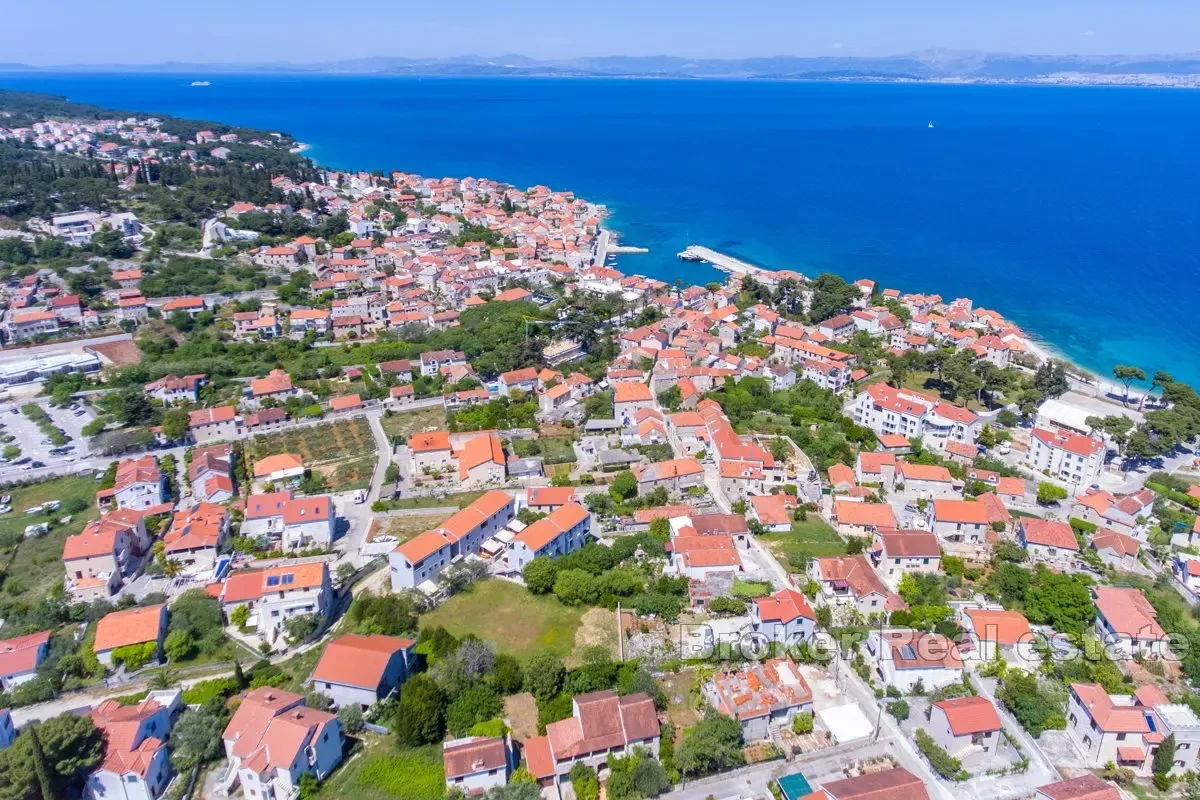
{"x":134,"y":656}
{"x":898,"y":709}
{"x":942,"y":762}
{"x":803,"y":722}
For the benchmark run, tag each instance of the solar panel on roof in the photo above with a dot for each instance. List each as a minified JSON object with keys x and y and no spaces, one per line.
{"x":906,"y":652}
{"x":289,"y":578}
{"x":272,"y":580}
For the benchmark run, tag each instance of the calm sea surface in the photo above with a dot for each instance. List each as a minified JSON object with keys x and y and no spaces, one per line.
{"x":1073,"y":211}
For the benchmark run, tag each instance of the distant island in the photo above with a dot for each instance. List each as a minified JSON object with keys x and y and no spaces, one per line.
{"x":932,"y":65}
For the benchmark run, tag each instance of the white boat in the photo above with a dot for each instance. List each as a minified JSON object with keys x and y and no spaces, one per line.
{"x":931,"y":123}
{"x":206,"y":83}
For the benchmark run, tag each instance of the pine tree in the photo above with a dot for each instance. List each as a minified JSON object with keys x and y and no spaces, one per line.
{"x":238,"y":675}
{"x":40,"y":767}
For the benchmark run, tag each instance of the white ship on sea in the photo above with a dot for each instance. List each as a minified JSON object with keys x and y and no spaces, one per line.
{"x":931,"y":123}
{"x":201,"y":83}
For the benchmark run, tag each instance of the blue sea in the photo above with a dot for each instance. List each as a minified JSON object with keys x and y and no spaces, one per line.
{"x":1073,"y":211}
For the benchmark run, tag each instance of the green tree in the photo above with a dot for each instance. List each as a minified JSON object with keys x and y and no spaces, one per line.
{"x":1127,"y":376}
{"x":584,"y":781}
{"x":624,"y":485}
{"x":1050,"y":493}
{"x":175,"y":424}
{"x":714,"y":744}
{"x":351,"y":717}
{"x":507,"y":675}
{"x":831,"y":295}
{"x":574,"y":587}
{"x":40,"y":768}
{"x":1164,"y":757}
{"x":196,"y":739}
{"x":544,"y":676}
{"x":540,"y":575}
{"x":477,"y":703}
{"x":420,"y":716}
{"x":179,"y":645}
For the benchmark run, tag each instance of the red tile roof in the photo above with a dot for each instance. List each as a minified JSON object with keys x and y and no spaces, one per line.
{"x":970,"y":715}
{"x":358,"y":661}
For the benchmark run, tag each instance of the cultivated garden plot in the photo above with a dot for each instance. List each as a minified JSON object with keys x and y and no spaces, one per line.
{"x":343,"y":451}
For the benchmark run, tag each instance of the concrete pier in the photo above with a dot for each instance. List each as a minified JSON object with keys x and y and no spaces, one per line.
{"x":721,"y":261}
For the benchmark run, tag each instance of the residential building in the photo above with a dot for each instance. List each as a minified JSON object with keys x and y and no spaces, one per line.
{"x":273,"y":739}
{"x":906,"y":658}
{"x":1126,"y":621}
{"x":423,"y":557}
{"x":294,"y":521}
{"x":139,"y":485}
{"x":196,"y":536}
{"x":992,"y":634}
{"x":564,"y":531}
{"x":849,"y":581}
{"x":135,"y":764}
{"x":211,"y":473}
{"x":140,"y":625}
{"x":912,"y":414}
{"x":961,"y":525}
{"x":1049,"y":541}
{"x":896,"y":784}
{"x":98,"y":558}
{"x":601,"y":724}
{"x":279,"y":468}
{"x":474,"y":764}
{"x":784,"y":617}
{"x":433,"y":361}
{"x":1116,"y":549}
{"x":862,"y":520}
{"x":966,"y":726}
{"x":875,"y":468}
{"x":20,"y":658}
{"x":170,"y":389}
{"x":774,"y":511}
{"x":545,"y":499}
{"x":362,"y":670}
{"x":219,"y":424}
{"x":1085,"y":787}
{"x":629,"y":398}
{"x":1070,"y":457}
{"x":675,"y":475}
{"x":276,"y":594}
{"x":926,"y":480}
{"x":760,"y":696}
{"x":897,"y":553}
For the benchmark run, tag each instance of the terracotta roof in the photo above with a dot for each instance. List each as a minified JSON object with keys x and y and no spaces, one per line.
{"x":270,"y":729}
{"x":910,"y":544}
{"x":476,"y":754}
{"x":872,"y":463}
{"x":918,"y":650}
{"x":547,"y":529}
{"x":1002,"y":627}
{"x":1123,"y":545}
{"x":603,"y":721}
{"x":631,"y":392}
{"x":344,"y":402}
{"x":427,"y":442}
{"x":969,"y":511}
{"x":1109,"y":717}
{"x":251,"y":584}
{"x":198,"y":527}
{"x":856,"y":572}
{"x":208,"y":416}
{"x":877,"y":515}
{"x":1074,"y":443}
{"x":538,"y":758}
{"x":1085,"y":787}
{"x":20,"y":654}
{"x":359,"y":661}
{"x":1049,"y":533}
{"x":923,"y":472}
{"x":968,"y":715}
{"x":551,"y":495}
{"x":893,"y":784}
{"x":276,"y":381}
{"x":840,"y":474}
{"x":1128,"y":612}
{"x":479,"y":450}
{"x":773,"y":509}
{"x":131,"y":626}
{"x":276,"y":463}
{"x":307,"y":509}
{"x":784,"y":606}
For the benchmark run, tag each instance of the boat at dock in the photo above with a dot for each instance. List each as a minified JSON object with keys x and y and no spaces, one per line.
{"x":699,"y":253}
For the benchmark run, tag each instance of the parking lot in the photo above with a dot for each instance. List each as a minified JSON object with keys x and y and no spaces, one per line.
{"x":33,"y":443}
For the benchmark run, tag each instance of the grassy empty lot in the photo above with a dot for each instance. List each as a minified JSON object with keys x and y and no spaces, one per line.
{"x":381,"y":772}
{"x":509,"y":618}
{"x":33,"y":566}
{"x":406,"y":423}
{"x":335,"y":441}
{"x":347,"y":476}
{"x":461,"y":500}
{"x":809,"y":539}
{"x":405,"y":528}
{"x":553,"y":450}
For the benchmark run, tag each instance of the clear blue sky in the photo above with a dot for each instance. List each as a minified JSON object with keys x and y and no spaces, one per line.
{"x":148,"y":31}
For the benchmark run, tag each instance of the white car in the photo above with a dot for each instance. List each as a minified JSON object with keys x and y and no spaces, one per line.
{"x":5,"y":509}
{"x":1004,"y":449}
{"x":68,"y":459}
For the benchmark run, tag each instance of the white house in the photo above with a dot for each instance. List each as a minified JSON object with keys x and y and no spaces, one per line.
{"x":423,"y":557}
{"x":20,"y":657}
{"x":904,"y":658}
{"x":1126,"y":620}
{"x":601,"y":724}
{"x":273,"y":739}
{"x":564,"y":531}
{"x":475,"y":764}
{"x":361,"y":670}
{"x":277,"y":594}
{"x":898,"y":553}
{"x":1068,"y":456}
{"x":784,"y":617}
{"x":135,"y":765}
{"x":1049,"y":541}
{"x":966,"y":726}
{"x":760,"y":695}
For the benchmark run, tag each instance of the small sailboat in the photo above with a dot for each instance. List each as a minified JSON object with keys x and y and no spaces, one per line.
{"x":201,"y":83}
{"x":931,"y":123}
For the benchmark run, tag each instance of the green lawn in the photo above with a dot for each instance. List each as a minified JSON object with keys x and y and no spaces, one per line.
{"x":510,"y":618}
{"x":809,"y":539}
{"x":750,"y":589}
{"x":552,"y":449}
{"x":33,"y":566}
{"x":406,"y":423}
{"x":381,"y":772}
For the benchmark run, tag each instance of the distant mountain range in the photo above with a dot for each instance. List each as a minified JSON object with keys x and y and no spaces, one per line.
{"x":933,"y":64}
